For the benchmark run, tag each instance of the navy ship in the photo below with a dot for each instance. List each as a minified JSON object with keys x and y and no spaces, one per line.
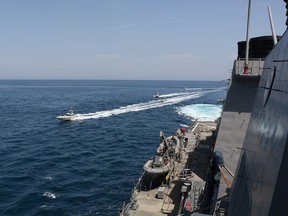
{"x":238,"y":164}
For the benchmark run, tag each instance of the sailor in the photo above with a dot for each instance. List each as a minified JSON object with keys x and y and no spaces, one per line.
{"x":70,"y":113}
{"x":183,"y":130}
{"x":160,"y":150}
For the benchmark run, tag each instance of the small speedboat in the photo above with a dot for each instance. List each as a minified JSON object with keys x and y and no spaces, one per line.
{"x":67,"y":116}
{"x":157,"y":95}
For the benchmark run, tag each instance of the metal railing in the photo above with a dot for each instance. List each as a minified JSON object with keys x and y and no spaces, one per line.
{"x":255,"y":67}
{"x":134,"y":194}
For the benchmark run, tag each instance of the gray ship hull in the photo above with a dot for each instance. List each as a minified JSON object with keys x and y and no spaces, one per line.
{"x":262,"y":170}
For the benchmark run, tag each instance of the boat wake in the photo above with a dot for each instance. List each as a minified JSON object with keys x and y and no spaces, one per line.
{"x":170,"y":99}
{"x":187,"y":92}
{"x":174,"y":95}
{"x":201,"y":111}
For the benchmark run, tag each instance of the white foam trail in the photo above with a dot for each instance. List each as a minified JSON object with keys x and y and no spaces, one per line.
{"x":49,"y":195}
{"x":179,"y":97}
{"x":49,"y":178}
{"x":183,"y":93}
{"x":201,"y":111}
{"x":193,"y":89}
{"x":174,"y":94}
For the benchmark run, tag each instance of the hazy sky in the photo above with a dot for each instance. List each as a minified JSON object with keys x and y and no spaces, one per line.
{"x":128,"y":39}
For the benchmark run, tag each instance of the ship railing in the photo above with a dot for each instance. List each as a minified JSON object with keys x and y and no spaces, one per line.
{"x":178,"y":172}
{"x":255,"y":67}
{"x":137,"y":187}
{"x":134,"y":194}
{"x":205,"y":119}
{"x":203,"y":124}
{"x":167,"y":201}
{"x":186,"y":173}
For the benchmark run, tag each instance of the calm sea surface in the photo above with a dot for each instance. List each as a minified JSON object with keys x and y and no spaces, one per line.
{"x":87,"y":166}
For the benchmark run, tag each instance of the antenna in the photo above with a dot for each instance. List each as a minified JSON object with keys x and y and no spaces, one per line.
{"x":247,"y":40}
{"x":272,"y":26}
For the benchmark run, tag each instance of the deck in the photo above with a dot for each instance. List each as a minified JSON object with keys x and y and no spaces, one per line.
{"x":193,"y":166}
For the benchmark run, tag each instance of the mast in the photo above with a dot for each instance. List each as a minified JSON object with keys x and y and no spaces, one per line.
{"x":272,"y":26}
{"x":247,"y":40}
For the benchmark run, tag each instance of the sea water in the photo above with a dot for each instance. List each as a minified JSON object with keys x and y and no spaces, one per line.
{"x":88,"y":166}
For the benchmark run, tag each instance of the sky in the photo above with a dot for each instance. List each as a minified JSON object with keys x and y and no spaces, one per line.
{"x":128,"y":39}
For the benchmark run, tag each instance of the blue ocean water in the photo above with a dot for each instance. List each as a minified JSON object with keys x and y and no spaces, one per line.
{"x":87,"y":166}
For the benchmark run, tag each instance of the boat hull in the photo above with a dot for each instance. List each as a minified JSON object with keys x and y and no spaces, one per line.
{"x":64,"y":118}
{"x":155,"y":172}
